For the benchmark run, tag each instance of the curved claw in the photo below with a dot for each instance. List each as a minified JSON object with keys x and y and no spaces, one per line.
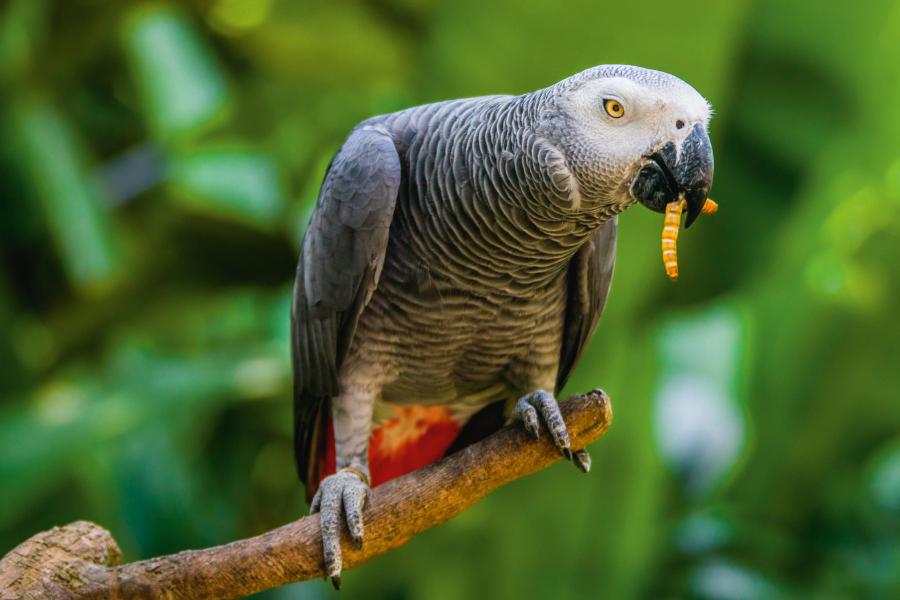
{"x":341,"y":497}
{"x":542,"y":402}
{"x":582,"y":460}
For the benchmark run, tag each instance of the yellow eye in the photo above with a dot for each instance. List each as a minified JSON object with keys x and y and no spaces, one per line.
{"x":613,"y":108}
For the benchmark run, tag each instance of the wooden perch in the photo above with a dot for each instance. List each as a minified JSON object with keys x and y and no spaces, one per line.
{"x":79,"y":560}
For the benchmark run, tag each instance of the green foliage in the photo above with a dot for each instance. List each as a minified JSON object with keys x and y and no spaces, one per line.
{"x":159,"y":161}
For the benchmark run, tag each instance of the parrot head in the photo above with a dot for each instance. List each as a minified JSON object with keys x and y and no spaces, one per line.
{"x":631,"y":134}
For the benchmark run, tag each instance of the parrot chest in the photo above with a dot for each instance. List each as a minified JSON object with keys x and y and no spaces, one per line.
{"x":440,"y":344}
{"x":470,"y":303}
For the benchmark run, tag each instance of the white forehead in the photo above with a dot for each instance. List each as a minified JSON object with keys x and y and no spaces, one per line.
{"x":663,"y":94}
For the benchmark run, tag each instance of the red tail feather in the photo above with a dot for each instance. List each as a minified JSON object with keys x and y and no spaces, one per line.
{"x":417,"y":436}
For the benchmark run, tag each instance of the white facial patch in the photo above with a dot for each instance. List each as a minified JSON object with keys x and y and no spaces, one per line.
{"x":655,"y":113}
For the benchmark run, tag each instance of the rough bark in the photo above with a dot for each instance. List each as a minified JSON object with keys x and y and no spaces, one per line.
{"x":81,"y":559}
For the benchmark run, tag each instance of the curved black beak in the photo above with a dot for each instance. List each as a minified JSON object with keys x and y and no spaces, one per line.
{"x":666,"y":174}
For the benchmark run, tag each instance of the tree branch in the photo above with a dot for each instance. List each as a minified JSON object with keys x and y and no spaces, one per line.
{"x":79,"y":560}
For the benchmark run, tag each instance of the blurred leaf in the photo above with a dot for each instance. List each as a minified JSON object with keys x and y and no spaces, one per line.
{"x":238,"y":16}
{"x":229,"y":182}
{"x":699,"y":421}
{"x":21,"y":25}
{"x":342,"y":43}
{"x":182,"y":88}
{"x":884,"y":477}
{"x":55,"y":163}
{"x":719,"y":580}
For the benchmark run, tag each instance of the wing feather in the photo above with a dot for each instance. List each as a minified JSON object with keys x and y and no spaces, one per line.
{"x":590,"y":275}
{"x":340,"y":260}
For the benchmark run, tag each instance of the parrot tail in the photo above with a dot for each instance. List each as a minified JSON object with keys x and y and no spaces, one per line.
{"x":414,"y":437}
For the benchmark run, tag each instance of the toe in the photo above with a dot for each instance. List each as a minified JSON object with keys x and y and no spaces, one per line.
{"x":316,"y":501}
{"x":529,"y":417}
{"x":354,"y":501}
{"x":331,"y":532}
{"x":554,"y":420}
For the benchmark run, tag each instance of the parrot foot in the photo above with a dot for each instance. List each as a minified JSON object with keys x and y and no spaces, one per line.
{"x":341,"y":497}
{"x":543,"y":403}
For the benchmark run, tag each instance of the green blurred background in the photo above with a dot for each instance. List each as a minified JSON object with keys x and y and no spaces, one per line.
{"x":159,"y":162}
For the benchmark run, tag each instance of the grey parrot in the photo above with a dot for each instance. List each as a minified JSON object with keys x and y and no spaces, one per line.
{"x":456,"y":264}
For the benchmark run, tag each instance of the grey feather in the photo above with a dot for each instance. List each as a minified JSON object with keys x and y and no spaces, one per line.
{"x":590,"y":277}
{"x":342,"y":256}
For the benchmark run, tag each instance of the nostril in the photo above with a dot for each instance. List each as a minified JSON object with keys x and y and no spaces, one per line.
{"x":679,"y":124}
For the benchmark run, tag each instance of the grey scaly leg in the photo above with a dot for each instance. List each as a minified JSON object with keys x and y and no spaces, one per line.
{"x":342,"y":496}
{"x":541,"y":405}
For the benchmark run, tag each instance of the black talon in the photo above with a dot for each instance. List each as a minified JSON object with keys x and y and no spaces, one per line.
{"x":336,"y":581}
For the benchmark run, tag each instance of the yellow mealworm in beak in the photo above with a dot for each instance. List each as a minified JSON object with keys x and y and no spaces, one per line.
{"x":671,"y":225}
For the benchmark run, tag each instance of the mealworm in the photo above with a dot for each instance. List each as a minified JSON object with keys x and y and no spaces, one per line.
{"x":671,"y":225}
{"x":709,"y":207}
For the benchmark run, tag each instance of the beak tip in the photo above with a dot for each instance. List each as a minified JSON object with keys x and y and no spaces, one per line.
{"x":689,"y":219}
{"x":694,"y":208}
{"x":692,"y":213}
